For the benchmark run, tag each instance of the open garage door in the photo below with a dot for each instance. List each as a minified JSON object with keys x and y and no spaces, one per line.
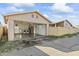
{"x":41,"y":29}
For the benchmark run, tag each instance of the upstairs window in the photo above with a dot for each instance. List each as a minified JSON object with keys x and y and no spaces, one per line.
{"x":32,"y":15}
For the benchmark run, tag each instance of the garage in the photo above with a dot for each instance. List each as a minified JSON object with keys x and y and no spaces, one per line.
{"x":29,"y":28}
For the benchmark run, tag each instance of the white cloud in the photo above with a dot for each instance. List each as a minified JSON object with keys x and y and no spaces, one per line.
{"x":23,"y":4}
{"x":13,"y":8}
{"x":73,"y":16}
{"x":61,"y":7}
{"x":10,"y":9}
{"x":57,"y":16}
{"x":1,"y":19}
{"x":45,"y":15}
{"x":37,"y":10}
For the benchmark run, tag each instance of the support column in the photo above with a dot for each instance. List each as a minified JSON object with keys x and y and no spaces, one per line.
{"x":34,"y":30}
{"x":47,"y":26}
{"x":55,"y":25}
{"x":10,"y":30}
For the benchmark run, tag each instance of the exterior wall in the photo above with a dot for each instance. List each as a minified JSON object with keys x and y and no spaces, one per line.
{"x":60,"y":24}
{"x":47,"y":29}
{"x":58,"y":31}
{"x":30,"y":17}
{"x":11,"y":30}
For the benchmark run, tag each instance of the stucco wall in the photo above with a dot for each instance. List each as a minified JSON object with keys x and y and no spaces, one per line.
{"x":58,"y":31}
{"x":28,"y":17}
{"x":60,"y":24}
{"x":11,"y":30}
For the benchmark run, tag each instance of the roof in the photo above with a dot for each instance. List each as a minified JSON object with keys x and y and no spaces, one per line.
{"x":63,"y":21}
{"x":60,"y":22}
{"x":26,"y":13}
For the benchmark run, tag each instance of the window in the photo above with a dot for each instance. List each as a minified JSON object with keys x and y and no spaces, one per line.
{"x":32,"y":16}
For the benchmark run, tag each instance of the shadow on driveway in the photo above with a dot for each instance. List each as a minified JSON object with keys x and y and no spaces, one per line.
{"x":63,"y":44}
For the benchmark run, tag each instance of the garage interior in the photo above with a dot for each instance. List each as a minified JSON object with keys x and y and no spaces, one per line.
{"x":26,"y":30}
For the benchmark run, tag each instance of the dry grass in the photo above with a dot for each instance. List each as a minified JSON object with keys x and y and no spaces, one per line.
{"x":15,"y":45}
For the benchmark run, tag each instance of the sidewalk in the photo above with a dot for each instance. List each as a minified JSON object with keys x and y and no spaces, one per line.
{"x":53,"y":52}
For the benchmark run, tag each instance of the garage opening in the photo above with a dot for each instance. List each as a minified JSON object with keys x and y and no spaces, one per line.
{"x":25,"y":30}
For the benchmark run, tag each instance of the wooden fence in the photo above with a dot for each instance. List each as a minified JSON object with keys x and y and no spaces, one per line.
{"x":1,"y":32}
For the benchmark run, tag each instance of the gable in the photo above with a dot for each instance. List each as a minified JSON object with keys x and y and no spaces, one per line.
{"x":60,"y":24}
{"x":67,"y":24}
{"x":33,"y":17}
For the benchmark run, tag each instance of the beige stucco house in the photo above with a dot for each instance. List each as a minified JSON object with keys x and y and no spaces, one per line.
{"x":34,"y":23}
{"x":31,"y":23}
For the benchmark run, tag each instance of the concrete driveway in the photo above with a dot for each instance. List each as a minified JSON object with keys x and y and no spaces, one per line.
{"x":63,"y":46}
{"x":30,"y":51}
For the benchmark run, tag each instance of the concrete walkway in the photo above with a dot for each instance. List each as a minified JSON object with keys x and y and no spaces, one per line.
{"x":54,"y":52}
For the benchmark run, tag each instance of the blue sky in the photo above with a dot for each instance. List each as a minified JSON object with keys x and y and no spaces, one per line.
{"x":53,"y":11}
